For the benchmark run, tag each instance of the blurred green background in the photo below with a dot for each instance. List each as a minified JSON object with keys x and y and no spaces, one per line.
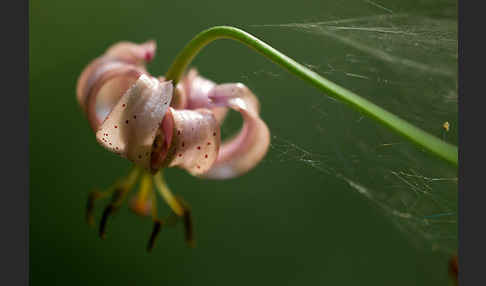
{"x":338,"y":200}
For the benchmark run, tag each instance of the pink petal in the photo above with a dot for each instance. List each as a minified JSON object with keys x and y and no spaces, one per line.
{"x":91,"y":74}
{"x":193,"y":92}
{"x":197,"y":89}
{"x":241,"y":153}
{"x":131,"y":127}
{"x":244,"y":151}
{"x":107,"y":90}
{"x":105,"y":79}
{"x":132,"y":53}
{"x":194,"y":142}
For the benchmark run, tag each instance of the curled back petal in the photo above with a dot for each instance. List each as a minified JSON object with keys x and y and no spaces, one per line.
{"x":194,"y":140}
{"x":104,"y":80}
{"x":197,"y":89}
{"x":106,"y":92}
{"x":241,"y":153}
{"x":130,"y":128}
{"x":193,"y":92}
{"x":249,"y":146}
{"x":132,"y":53}
{"x":91,"y":75}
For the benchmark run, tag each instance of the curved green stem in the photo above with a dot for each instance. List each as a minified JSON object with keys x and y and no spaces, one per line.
{"x":423,"y":139}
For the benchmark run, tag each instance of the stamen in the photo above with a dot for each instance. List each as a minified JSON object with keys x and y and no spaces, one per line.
{"x":142,"y":203}
{"x":178,"y":206}
{"x":188,"y":223}
{"x":92,"y":197}
{"x":154,"y":202}
{"x":116,"y":200}
{"x":106,"y":213}
{"x":90,"y":207}
{"x":120,"y":192}
{"x":157,"y":223}
{"x":146,"y":194}
{"x":167,"y":195}
{"x":189,"y":233}
{"x":155,"y":233}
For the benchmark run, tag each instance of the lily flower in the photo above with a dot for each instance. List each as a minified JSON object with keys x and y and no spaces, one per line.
{"x":157,"y":125}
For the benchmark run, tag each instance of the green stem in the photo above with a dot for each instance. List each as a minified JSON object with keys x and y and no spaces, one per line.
{"x":423,"y":139}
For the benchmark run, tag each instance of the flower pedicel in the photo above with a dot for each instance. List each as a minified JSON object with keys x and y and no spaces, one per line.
{"x":156,"y":125}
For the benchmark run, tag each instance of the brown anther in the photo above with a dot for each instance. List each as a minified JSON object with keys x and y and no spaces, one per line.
{"x":188,"y":223}
{"x":110,"y":209}
{"x":188,"y":228}
{"x":155,"y":233}
{"x":106,"y":213}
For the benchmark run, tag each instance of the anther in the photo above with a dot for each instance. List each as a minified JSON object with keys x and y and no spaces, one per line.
{"x":188,"y":224}
{"x":189,"y":234}
{"x":106,"y":213}
{"x":188,"y":228}
{"x":111,"y":208}
{"x":155,"y":233}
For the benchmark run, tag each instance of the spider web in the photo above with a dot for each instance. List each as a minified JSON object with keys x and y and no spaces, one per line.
{"x":423,"y":207}
{"x":406,"y":63}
